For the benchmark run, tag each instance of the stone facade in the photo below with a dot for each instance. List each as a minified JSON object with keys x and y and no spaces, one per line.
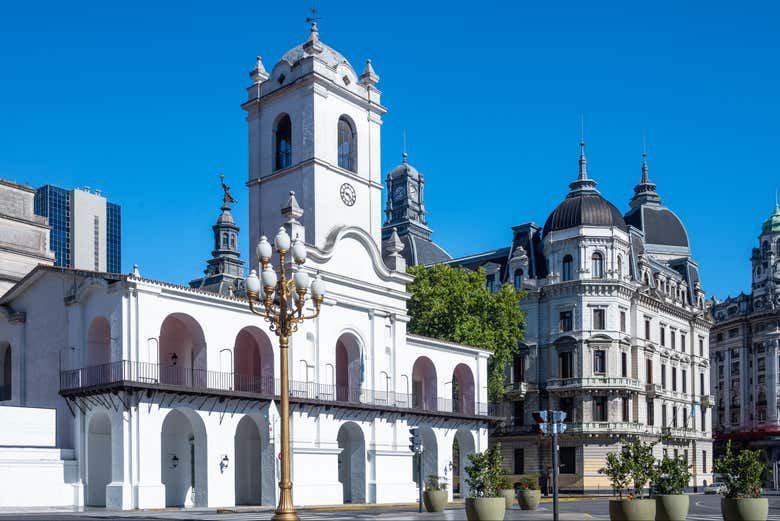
{"x":745,"y":359}
{"x":24,"y":236}
{"x":616,"y":335}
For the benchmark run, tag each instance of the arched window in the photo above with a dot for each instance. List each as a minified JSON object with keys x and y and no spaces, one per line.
{"x":224,"y":241}
{"x":347,"y":146}
{"x":566,"y":269}
{"x":518,"y":279}
{"x":619,"y":267}
{"x":597,"y":265}
{"x":283,"y":145}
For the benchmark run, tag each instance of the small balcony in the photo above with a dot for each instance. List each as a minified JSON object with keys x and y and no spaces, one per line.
{"x":127,"y":375}
{"x":653,"y":390}
{"x":516,"y":390}
{"x":606,"y":428}
{"x":705,"y":400}
{"x":594,"y":383}
{"x":681,"y":433}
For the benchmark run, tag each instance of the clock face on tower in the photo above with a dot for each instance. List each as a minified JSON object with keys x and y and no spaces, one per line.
{"x":399,"y":193}
{"x":413,"y":191}
{"x":347,"y":193}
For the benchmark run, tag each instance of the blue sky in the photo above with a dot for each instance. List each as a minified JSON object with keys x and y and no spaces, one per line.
{"x":142,"y":101}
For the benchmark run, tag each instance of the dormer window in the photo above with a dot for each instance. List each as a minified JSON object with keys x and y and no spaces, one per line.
{"x":346,"y":144}
{"x":283,"y":142}
{"x":597,"y":265}
{"x":566,"y":268}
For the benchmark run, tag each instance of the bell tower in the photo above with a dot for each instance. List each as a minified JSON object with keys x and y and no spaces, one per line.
{"x":314,"y":128}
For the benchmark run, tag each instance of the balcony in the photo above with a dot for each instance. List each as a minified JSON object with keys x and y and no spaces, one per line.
{"x":653,"y":390}
{"x":593,"y":383}
{"x":704,"y":400}
{"x":516,"y":390}
{"x":127,"y":375}
{"x":683,"y":433}
{"x":606,"y":428}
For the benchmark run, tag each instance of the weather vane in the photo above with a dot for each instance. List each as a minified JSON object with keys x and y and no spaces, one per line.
{"x":314,"y":17}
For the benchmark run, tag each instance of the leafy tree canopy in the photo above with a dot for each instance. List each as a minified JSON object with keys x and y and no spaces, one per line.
{"x":454,"y":304}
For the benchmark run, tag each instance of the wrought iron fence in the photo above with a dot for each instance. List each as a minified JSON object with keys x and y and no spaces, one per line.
{"x":203,"y":380}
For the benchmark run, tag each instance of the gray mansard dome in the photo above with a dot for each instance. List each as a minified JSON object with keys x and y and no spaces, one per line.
{"x":584,"y":208}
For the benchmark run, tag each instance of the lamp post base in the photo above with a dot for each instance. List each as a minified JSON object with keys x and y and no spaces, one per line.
{"x":289,"y":515}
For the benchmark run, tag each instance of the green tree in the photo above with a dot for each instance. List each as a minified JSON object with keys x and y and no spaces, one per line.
{"x":741,"y":472}
{"x":671,"y":475}
{"x":454,"y":304}
{"x":484,"y":476}
{"x":618,"y":472}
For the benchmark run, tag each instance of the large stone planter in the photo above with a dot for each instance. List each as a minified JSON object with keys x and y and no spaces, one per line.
{"x":528,"y":499}
{"x":671,"y":507}
{"x":631,"y":509}
{"x":485,"y":508}
{"x":744,"y":509}
{"x":509,"y":495}
{"x":435,"y":500}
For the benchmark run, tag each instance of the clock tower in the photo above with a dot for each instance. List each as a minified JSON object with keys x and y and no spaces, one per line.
{"x":314,"y":128}
{"x":405,"y":213}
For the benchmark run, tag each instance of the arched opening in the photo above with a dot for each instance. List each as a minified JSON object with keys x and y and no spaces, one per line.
{"x":518,"y":278}
{"x":429,"y":455}
{"x":254,"y":463}
{"x":463,"y":389}
{"x":462,"y":446}
{"x":98,"y":342}
{"x":566,"y":268}
{"x":349,"y":368}
{"x":283,"y":143}
{"x":98,"y":459}
{"x":184,"y":459}
{"x":253,"y":362}
{"x":352,"y":463}
{"x":6,"y":371}
{"x":597,"y":265}
{"x":347,"y":145}
{"x":182,"y":351}
{"x":424,"y":384}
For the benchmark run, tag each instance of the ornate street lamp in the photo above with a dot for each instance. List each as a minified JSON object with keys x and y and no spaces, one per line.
{"x":283,"y":301}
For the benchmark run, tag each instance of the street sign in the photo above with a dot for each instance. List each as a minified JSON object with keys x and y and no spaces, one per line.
{"x":558,"y":416}
{"x":540,"y":416}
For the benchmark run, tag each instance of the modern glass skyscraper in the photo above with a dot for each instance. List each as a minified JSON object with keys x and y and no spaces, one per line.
{"x":86,"y":229}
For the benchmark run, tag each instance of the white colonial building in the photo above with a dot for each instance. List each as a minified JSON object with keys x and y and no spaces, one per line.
{"x":135,"y":393}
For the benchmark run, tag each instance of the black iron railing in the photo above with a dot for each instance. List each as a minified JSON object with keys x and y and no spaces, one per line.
{"x":188,"y":378}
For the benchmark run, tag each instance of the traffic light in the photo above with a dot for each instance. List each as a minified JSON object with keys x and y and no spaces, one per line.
{"x":415,"y":440}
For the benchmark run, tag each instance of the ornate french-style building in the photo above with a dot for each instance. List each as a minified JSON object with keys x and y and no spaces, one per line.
{"x":745,"y":351}
{"x":616,"y":334}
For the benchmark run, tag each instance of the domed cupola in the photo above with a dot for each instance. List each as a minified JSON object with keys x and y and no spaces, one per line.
{"x":772,"y":224}
{"x":664,"y":231}
{"x":584,"y":205}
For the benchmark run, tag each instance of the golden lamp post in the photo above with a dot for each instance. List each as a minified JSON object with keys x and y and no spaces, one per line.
{"x":283,"y":299}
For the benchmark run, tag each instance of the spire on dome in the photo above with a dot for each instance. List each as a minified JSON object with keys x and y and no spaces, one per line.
{"x":644,"y":192}
{"x":369,"y":77}
{"x":583,"y":182}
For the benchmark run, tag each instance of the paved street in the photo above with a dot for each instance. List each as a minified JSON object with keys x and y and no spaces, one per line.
{"x":703,"y":508}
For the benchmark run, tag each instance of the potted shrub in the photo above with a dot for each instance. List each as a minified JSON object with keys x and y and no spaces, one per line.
{"x":484,"y":480}
{"x":632,"y":465}
{"x":435,"y":494}
{"x":741,"y":474}
{"x":528,"y":493}
{"x":506,"y":490}
{"x":670,"y":477}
